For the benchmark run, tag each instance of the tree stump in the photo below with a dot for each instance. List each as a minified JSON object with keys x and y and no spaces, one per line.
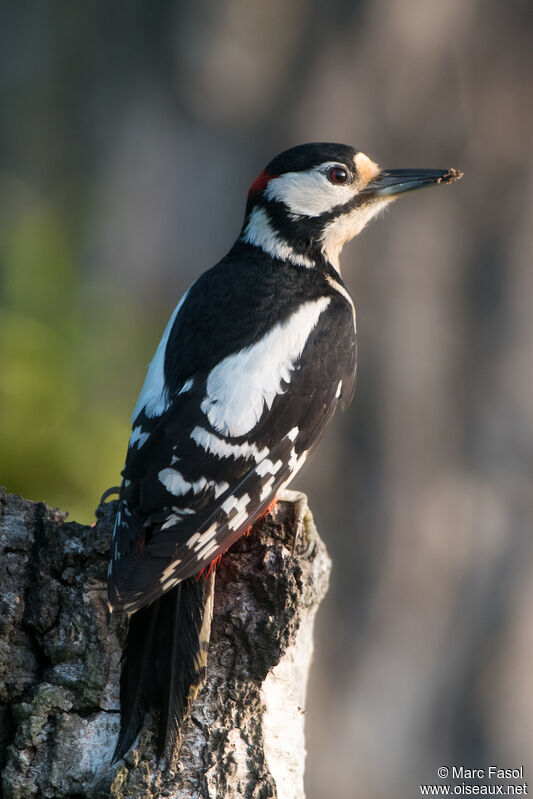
{"x":60,"y":662}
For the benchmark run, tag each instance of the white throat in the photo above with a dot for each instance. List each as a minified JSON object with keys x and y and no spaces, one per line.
{"x":344,"y":228}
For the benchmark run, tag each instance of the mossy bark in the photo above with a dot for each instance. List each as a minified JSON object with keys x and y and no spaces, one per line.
{"x":60,"y":661}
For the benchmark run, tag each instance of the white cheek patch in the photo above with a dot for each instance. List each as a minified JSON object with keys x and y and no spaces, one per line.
{"x":309,"y":193}
{"x":233,"y":403}
{"x":153,"y":398}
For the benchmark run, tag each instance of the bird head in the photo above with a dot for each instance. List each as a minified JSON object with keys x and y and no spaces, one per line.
{"x":310,"y":200}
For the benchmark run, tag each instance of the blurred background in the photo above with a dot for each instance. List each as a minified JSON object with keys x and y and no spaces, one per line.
{"x":129,"y":134}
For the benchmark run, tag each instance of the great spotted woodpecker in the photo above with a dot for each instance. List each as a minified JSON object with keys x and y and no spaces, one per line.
{"x":250,"y":369}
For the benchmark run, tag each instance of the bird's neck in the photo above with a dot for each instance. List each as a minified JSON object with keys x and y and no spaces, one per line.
{"x":285,"y":239}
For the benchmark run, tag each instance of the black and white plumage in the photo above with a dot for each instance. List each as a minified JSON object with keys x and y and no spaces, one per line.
{"x":251,"y":367}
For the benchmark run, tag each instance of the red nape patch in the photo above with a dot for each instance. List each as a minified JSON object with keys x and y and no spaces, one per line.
{"x":260,"y":182}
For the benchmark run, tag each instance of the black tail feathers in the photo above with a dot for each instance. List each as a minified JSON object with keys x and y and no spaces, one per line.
{"x":164,"y":661}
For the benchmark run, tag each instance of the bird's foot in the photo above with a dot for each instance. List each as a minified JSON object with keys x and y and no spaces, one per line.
{"x":109,"y":492}
{"x":304,"y":523}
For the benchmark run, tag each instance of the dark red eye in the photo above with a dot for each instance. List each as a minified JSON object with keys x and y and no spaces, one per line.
{"x":338,"y":174}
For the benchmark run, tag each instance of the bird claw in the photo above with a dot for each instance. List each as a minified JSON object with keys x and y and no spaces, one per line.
{"x":109,"y":492}
{"x":305,"y":528}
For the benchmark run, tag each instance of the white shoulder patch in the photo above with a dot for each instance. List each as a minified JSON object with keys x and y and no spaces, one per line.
{"x":242,"y":385}
{"x":153,"y":398}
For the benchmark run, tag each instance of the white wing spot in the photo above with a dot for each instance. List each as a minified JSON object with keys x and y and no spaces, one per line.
{"x":267,"y":489}
{"x":233,"y":502}
{"x":170,"y":571}
{"x":237,"y":520}
{"x":170,"y":521}
{"x":186,"y":386}
{"x":176,"y":484}
{"x":192,"y":540}
{"x":138,"y":437}
{"x":207,"y":550}
{"x":267,"y":467}
{"x":176,"y":517}
{"x":170,"y":583}
{"x":240,"y":505}
{"x":208,"y":534}
{"x":293,"y":460}
{"x":223,"y":449}
{"x":292,"y":434}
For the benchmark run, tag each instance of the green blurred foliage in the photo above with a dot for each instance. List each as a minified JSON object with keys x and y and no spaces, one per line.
{"x":63,"y":349}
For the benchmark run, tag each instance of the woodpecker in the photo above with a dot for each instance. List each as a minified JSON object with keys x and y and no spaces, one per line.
{"x":254,"y":361}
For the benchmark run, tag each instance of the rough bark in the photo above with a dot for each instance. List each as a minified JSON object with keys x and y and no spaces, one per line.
{"x":59,"y":667}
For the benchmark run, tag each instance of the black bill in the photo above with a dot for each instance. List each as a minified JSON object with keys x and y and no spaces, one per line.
{"x":391,"y":182}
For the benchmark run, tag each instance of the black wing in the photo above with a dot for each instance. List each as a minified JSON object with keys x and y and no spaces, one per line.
{"x":235,"y":433}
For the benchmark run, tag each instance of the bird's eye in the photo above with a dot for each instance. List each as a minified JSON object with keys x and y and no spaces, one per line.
{"x":338,"y":175}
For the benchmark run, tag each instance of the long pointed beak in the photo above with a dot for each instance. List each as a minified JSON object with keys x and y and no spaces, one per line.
{"x":391,"y":182}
